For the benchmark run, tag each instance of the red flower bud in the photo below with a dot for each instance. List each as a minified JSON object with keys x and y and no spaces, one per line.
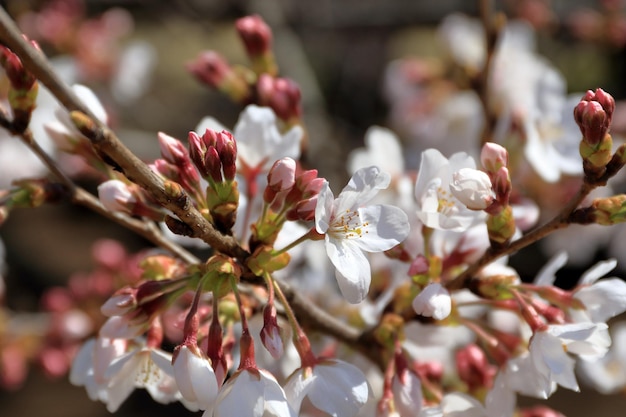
{"x":593,"y":114}
{"x":255,"y":34}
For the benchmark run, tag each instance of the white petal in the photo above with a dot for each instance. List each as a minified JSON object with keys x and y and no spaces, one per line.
{"x":352,"y":269}
{"x":386,"y":227}
{"x":362,"y":187}
{"x":597,"y":271}
{"x":324,"y":208}
{"x":341,"y":389}
{"x":546,"y":275}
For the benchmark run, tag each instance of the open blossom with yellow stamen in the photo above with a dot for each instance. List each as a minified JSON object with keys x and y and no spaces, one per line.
{"x":438,"y":208}
{"x":350,"y":228}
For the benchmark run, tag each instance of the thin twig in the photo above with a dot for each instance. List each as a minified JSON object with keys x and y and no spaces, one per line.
{"x":492,"y":33}
{"x":558,"y":222}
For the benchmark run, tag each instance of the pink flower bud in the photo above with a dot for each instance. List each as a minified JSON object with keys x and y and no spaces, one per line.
{"x":172,"y":150}
{"x":304,"y":210}
{"x":419,"y":266}
{"x":593,"y":114}
{"x":227,"y":149}
{"x":493,"y":156}
{"x":255,"y":34}
{"x":210,"y":68}
{"x":282,"y":175}
{"x":502,"y":185}
{"x":115,"y":195}
{"x":120,"y":303}
{"x":281,"y":94}
{"x":473,"y":367}
{"x":270,"y":334}
{"x":19,"y":77}
{"x":539,"y":411}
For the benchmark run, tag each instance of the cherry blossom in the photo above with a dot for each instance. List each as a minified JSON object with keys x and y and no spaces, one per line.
{"x":333,"y":386}
{"x":433,"y":301}
{"x":438,"y":207}
{"x":350,"y":227}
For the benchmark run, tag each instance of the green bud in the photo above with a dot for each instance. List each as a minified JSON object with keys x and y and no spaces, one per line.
{"x":220,"y":270}
{"x":264,"y":260}
{"x":609,"y":211}
{"x":501,"y":226}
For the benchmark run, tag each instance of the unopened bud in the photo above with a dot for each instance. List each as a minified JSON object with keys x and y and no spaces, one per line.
{"x":419,"y":266}
{"x":172,"y":150}
{"x":264,"y":260}
{"x":271,"y":332}
{"x":282,"y":95}
{"x":473,"y":367}
{"x":594,"y":114}
{"x":472,"y":188}
{"x":609,"y":211}
{"x":493,"y":157}
{"x":116,"y":195}
{"x":433,"y":301}
{"x":213,"y":70}
{"x":227,"y":149}
{"x":282,"y":175}
{"x":257,"y":39}
{"x":501,"y":226}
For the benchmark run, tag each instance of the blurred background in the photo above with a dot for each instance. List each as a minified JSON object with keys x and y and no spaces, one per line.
{"x":133,"y":54}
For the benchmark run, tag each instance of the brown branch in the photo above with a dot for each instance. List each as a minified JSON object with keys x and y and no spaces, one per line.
{"x":492,"y":33}
{"x":78,"y":195}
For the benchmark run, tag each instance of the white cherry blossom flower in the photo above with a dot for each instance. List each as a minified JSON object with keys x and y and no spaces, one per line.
{"x":336,"y":387}
{"x":407,"y":393}
{"x":350,"y":227}
{"x":251,"y":392}
{"x":549,"y":353}
{"x":382,"y":148}
{"x":141,"y":367}
{"x":608,"y":374}
{"x":438,"y":208}
{"x":433,"y":301}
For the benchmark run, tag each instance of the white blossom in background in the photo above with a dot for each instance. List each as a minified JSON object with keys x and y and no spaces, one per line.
{"x":433,"y":301}
{"x":382,"y":149}
{"x":350,"y":226}
{"x":438,"y":208}
{"x":608,"y":374}
{"x":336,"y":387}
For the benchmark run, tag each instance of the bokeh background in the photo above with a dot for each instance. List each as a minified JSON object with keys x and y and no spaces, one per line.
{"x":337,"y":50}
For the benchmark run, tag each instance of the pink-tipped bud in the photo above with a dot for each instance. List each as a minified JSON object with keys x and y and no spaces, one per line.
{"x":120,"y":303}
{"x":473,"y":367}
{"x":166,"y":170}
{"x":304,"y":210}
{"x":270,"y":334}
{"x":255,"y":34}
{"x":227,"y":149}
{"x":493,"y":157}
{"x":210,"y":68}
{"x":282,"y":175}
{"x":502,"y":185}
{"x":281,"y":94}
{"x":19,"y":78}
{"x":172,"y":150}
{"x":115,"y":195}
{"x":419,"y":266}
{"x":593,"y":114}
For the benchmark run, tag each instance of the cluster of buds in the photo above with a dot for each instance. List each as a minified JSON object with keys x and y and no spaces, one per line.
{"x":214,"y":154}
{"x":594,"y":114}
{"x":23,"y":89}
{"x":288,"y":196}
{"x":259,"y":84}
